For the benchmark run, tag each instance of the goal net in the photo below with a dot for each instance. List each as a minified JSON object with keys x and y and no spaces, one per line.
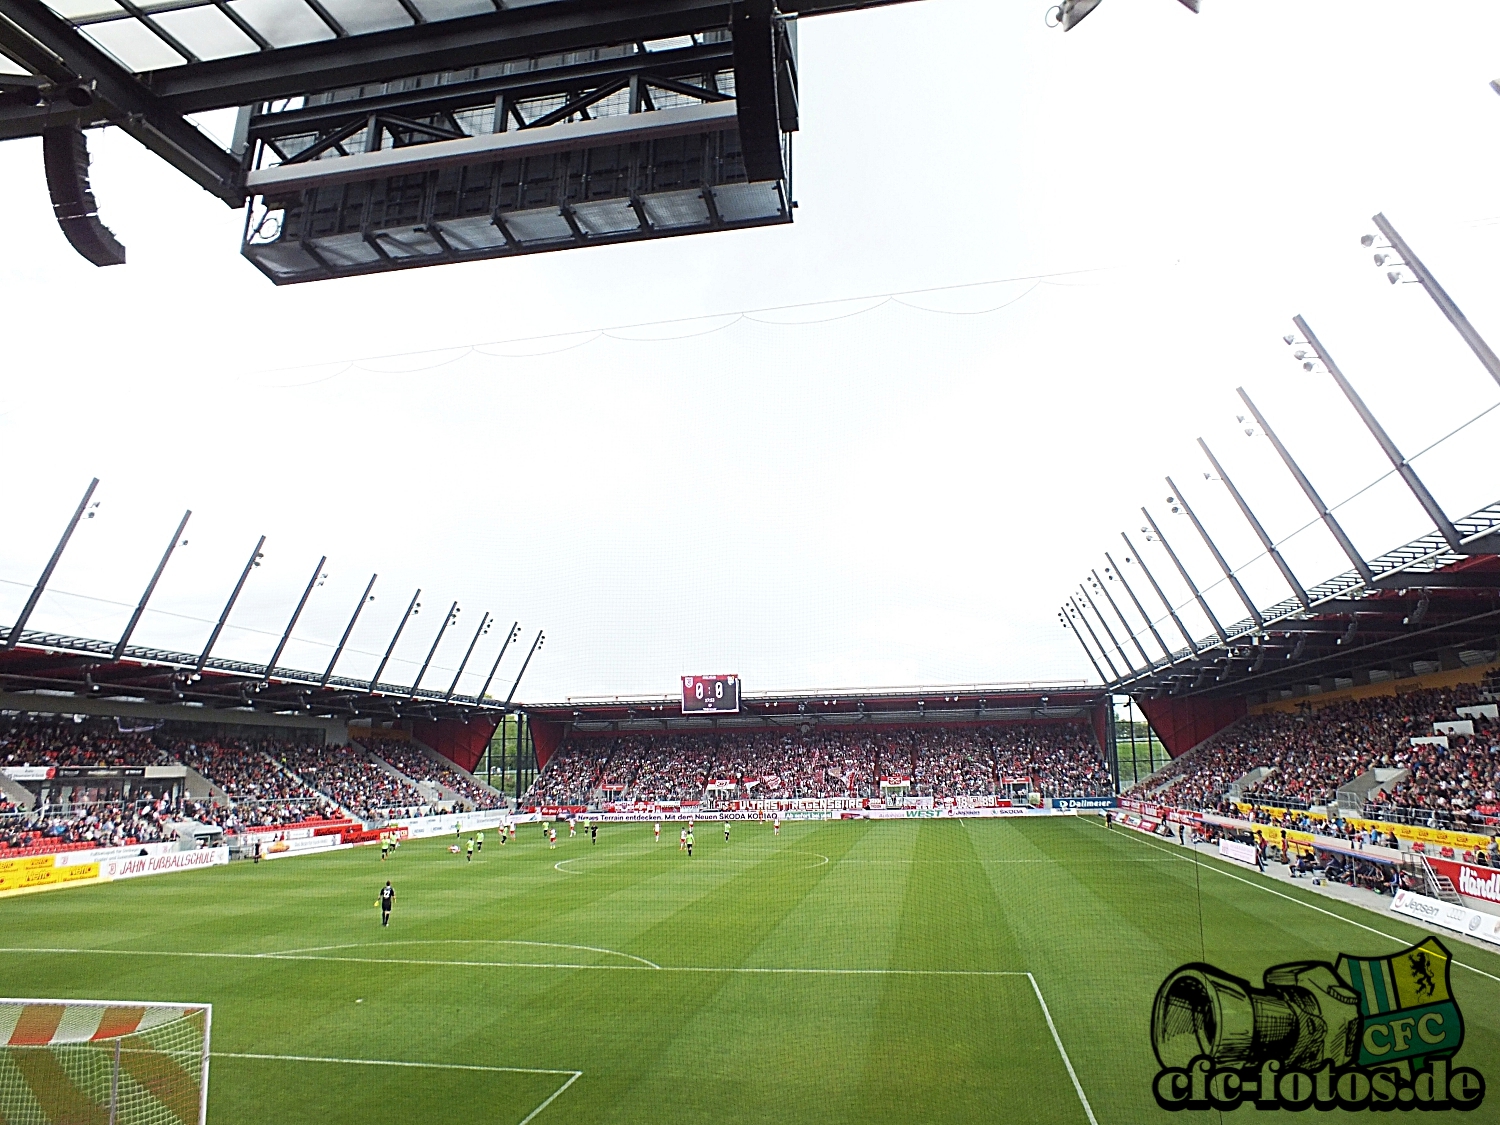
{"x":103,"y":1063}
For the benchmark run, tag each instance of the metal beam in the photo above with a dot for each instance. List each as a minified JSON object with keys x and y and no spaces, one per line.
{"x":1440,"y":298}
{"x":1139,"y":608}
{"x":41,"y":583}
{"x":1103,"y":679}
{"x":1114,"y":673}
{"x":464,"y":663}
{"x":1429,"y":502}
{"x":515,"y":627}
{"x":229,"y":605}
{"x":1361,"y":567}
{"x":135,"y":618}
{"x":1186,"y":577}
{"x":520,"y":31}
{"x":1260,"y":532}
{"x":411,"y":611}
{"x":292,"y":624}
{"x":1110,"y":633}
{"x":437,"y":640}
{"x":536,"y":644}
{"x":349,"y":628}
{"x":44,"y":41}
{"x":1103,"y":589}
{"x":1217,"y":554}
{"x":1155,"y":585}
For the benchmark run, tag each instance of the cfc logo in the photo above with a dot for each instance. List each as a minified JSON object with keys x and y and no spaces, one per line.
{"x":1366,"y":1033}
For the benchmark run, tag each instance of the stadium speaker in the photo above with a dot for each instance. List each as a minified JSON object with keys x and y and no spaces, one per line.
{"x":755,"y":80}
{"x":65,"y":154}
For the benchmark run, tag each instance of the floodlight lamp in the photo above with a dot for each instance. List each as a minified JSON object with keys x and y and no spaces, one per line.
{"x":1382,"y":259}
{"x":1308,"y":366}
{"x":1367,"y":240}
{"x":1301,"y":353}
{"x":1249,"y":431}
{"x":1393,"y":277}
{"x":184,"y":542}
{"x":1145,"y":530}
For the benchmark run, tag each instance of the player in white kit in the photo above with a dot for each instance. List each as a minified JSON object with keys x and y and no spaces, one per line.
{"x":657,"y":827}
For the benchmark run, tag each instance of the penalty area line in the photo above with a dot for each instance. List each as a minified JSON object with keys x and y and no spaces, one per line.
{"x":572,"y":1075}
{"x":1061,"y":1050}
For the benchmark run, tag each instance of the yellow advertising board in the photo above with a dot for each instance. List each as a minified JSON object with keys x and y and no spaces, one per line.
{"x":46,"y":874}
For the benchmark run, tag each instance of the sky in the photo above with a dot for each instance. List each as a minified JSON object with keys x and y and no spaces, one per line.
{"x":848,"y":491}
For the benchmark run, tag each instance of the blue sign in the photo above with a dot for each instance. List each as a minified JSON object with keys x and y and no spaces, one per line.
{"x":1084,"y":803}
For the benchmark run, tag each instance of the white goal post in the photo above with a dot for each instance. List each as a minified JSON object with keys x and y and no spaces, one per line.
{"x":112,"y":1062}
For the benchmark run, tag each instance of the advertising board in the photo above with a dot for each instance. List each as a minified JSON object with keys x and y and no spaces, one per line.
{"x":1474,"y":923}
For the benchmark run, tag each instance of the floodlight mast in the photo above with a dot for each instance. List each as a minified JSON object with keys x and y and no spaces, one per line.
{"x":1218,"y":555}
{"x":41,"y":583}
{"x":1115,"y":569}
{"x":1186,"y":577}
{"x":390,"y":648}
{"x":1260,"y":531}
{"x":135,"y":618}
{"x":464,"y":663}
{"x":1361,"y":567}
{"x":1171,"y":611}
{"x":213,"y":637}
{"x":540,"y":637}
{"x":348,"y":629}
{"x":515,"y":632}
{"x":1440,"y":298}
{"x":1429,"y":502}
{"x":1114,"y":674}
{"x":437,"y":640}
{"x":1103,"y":589}
{"x":1103,"y":679}
{"x":292,"y":624}
{"x":1108,"y":632}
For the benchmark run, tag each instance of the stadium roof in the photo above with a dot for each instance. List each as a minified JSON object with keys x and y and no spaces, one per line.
{"x":59,"y":668}
{"x":970,"y":703}
{"x":147,"y":66}
{"x":1427,"y":607}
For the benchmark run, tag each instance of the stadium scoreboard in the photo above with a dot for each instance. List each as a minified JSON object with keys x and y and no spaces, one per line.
{"x":716,"y":694}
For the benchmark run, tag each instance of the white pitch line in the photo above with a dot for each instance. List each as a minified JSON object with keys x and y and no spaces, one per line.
{"x":1298,"y":901}
{"x":457,"y":941}
{"x":1061,"y":1050}
{"x":573,"y":1075}
{"x":416,"y":961}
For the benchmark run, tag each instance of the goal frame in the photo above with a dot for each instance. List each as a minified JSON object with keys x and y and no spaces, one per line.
{"x":187,"y":1007}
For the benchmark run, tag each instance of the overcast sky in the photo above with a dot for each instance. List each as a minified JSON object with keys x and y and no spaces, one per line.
{"x":853,"y":495}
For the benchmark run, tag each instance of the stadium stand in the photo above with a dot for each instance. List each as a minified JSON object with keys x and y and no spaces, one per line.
{"x":1309,"y":755}
{"x":940,"y":762}
{"x":418,"y":766}
{"x":261,"y":793}
{"x":347,"y":777}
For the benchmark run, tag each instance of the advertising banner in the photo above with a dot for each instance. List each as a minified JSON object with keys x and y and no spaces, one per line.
{"x":1233,"y":849}
{"x":164,"y":864}
{"x":1461,"y":919}
{"x":1082,"y":802}
{"x":27,"y":773}
{"x":1482,"y":883}
{"x":26,"y":875}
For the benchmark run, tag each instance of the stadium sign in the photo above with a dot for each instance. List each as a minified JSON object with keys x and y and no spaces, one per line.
{"x":1083,"y":802}
{"x":1375,"y":1033}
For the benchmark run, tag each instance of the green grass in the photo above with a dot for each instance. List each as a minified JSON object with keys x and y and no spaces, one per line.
{"x":481,"y":967}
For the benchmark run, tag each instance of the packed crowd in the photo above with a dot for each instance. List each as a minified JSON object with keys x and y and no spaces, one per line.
{"x":939,"y":762}
{"x":90,"y":743}
{"x":348,"y":777}
{"x":1309,"y":755}
{"x":415,"y":764}
{"x":101,"y":824}
{"x":261,"y":793}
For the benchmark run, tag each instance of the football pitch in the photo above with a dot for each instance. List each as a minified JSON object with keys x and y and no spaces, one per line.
{"x":860,"y":971}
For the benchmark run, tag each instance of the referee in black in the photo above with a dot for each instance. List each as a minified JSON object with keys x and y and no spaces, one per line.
{"x":387,"y":900}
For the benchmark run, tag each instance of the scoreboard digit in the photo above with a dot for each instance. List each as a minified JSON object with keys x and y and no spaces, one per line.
{"x":716,"y":694}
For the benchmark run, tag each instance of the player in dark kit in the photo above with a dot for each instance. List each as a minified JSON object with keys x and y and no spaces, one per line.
{"x":387,"y":900}
{"x":594,"y":832}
